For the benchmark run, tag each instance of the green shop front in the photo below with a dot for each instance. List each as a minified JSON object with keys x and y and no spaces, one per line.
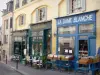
{"x":77,"y":34}
{"x":20,"y":43}
{"x":40,"y":39}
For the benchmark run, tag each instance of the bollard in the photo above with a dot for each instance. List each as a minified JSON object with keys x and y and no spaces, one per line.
{"x":17,"y":62}
{"x":6,"y":59}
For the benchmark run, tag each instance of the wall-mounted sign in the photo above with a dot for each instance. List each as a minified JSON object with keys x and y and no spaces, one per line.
{"x":80,"y":18}
{"x":40,"y":27}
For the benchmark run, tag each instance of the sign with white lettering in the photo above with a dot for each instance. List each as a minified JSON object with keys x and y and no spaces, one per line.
{"x":80,"y":18}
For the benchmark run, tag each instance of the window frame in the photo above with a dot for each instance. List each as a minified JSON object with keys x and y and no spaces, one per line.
{"x":22,"y":19}
{"x":11,"y":22}
{"x":79,"y":9}
{"x":6,"y":23}
{"x":17,"y":5}
{"x":75,"y":5}
{"x":41,"y":16}
{"x":24,"y":2}
{"x":66,"y":27}
{"x":86,"y":25}
{"x":73,"y":49}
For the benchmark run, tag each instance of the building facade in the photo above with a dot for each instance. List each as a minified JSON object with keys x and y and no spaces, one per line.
{"x":34,"y":19}
{"x":72,"y":24}
{"x":7,"y":23}
{"x":78,"y":28}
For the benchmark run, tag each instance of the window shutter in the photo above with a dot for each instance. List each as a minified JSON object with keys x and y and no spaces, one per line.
{"x":45,"y":13}
{"x":37,"y":16}
{"x":83,"y":3}
{"x":68,"y":6}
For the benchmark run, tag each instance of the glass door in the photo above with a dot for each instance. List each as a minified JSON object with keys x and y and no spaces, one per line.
{"x":83,"y":48}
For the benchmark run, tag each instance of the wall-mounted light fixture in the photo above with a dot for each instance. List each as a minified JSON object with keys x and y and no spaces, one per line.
{"x":55,"y":33}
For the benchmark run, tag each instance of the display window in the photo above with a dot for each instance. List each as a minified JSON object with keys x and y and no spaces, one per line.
{"x":86,"y":28}
{"x":67,"y":30}
{"x":66,"y":45}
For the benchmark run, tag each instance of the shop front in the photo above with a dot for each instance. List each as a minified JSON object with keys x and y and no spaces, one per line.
{"x":20,"y":43}
{"x":76,"y":34}
{"x":40,"y":40}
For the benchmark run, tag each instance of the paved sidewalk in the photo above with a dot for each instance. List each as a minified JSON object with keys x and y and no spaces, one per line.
{"x":26,"y":70}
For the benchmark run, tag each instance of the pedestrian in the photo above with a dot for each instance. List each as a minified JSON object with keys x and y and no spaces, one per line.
{"x":98,"y":51}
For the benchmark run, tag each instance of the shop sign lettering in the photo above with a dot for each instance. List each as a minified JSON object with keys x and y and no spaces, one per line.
{"x":76,"y":19}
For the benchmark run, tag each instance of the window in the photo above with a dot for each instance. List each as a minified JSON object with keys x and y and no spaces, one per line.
{"x":11,"y":22}
{"x":76,"y":6}
{"x":67,"y":30}
{"x":22,"y":19}
{"x":24,"y":2}
{"x":41,"y":14}
{"x":8,"y":7}
{"x":5,"y":39}
{"x":6,"y":23}
{"x":86,"y":28}
{"x":17,"y":4}
{"x":66,"y":45}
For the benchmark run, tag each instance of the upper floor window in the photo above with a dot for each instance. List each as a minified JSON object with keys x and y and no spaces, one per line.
{"x":5,"y":39}
{"x":11,"y":22}
{"x":41,"y":14}
{"x":6,"y":23}
{"x":76,"y":6}
{"x":17,"y":4}
{"x":21,"y":19}
{"x":10,"y":6}
{"x":24,"y":2}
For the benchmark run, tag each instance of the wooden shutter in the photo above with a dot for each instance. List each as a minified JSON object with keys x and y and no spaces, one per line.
{"x":83,"y":4}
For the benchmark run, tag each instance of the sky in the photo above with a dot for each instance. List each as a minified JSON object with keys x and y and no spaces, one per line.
{"x":2,"y":6}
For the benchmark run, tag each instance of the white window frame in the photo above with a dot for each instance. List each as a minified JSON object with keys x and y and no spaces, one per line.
{"x":41,"y":14}
{"x":17,"y":4}
{"x":80,"y":8}
{"x":22,"y":19}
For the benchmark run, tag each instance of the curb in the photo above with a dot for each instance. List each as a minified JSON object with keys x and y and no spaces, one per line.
{"x":22,"y":73}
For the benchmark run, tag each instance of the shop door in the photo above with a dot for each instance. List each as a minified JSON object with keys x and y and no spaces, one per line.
{"x":47,"y":42}
{"x":83,"y":48}
{"x":37,"y":49}
{"x":92,"y":46}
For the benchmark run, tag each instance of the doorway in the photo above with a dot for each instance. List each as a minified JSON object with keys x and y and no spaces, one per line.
{"x":83,"y":48}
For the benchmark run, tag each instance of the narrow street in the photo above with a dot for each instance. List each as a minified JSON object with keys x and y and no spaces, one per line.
{"x":5,"y":70}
